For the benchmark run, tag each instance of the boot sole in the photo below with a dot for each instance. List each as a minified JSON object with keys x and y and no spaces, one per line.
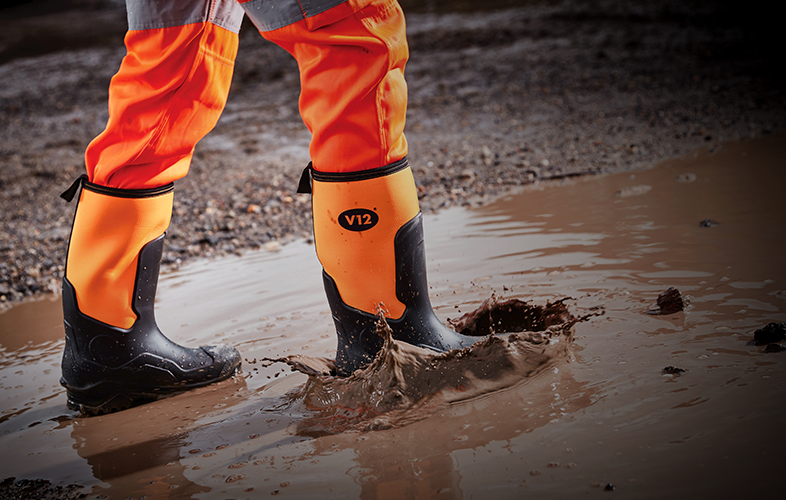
{"x":112,"y":397}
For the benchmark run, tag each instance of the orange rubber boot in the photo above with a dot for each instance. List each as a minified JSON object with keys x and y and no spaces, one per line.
{"x":115,"y":356}
{"x":368,"y":231}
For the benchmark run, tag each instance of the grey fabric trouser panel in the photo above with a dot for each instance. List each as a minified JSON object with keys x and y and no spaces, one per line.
{"x":269,"y":15}
{"x":154,"y":14}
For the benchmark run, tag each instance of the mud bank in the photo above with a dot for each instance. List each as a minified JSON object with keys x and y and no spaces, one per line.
{"x":677,"y":405}
{"x":498,"y":99}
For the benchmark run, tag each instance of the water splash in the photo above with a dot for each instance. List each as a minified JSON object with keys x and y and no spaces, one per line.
{"x":406,"y":383}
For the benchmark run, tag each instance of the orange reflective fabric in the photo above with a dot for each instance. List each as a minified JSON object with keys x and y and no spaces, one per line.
{"x":107,"y":236}
{"x":169,"y":92}
{"x":363,"y":264}
{"x":353,"y":93}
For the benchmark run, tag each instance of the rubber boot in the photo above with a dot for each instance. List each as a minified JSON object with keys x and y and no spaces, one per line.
{"x":115,"y":356}
{"x":368,"y":231}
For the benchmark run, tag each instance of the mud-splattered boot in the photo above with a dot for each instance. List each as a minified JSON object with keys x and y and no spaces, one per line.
{"x":368,"y":231}
{"x":115,"y":356}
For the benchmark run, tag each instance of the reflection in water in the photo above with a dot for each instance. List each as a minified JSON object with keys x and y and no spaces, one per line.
{"x":420,"y":461}
{"x":143,"y":459}
{"x":141,"y":469}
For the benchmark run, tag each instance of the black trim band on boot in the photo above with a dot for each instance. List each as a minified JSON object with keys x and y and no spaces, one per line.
{"x":83,"y":182}
{"x":107,"y":369}
{"x":357,"y":341}
{"x":311,"y":174}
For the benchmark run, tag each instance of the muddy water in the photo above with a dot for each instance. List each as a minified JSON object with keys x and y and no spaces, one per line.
{"x":603,"y":413}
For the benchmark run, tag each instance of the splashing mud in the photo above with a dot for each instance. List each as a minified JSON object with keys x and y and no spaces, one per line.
{"x":406,"y":383}
{"x":510,"y":316}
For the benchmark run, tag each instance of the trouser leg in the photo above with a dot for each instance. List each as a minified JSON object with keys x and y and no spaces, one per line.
{"x":168,"y":93}
{"x":367,"y":222}
{"x":353,"y":94}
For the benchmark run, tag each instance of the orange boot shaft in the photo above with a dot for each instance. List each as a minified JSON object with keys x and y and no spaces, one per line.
{"x":368,"y":231}
{"x":110,"y":228}
{"x":355,"y":222}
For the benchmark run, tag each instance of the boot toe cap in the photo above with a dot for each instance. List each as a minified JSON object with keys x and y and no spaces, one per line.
{"x":226,"y":355}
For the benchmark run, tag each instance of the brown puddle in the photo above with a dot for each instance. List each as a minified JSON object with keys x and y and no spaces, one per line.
{"x":679,"y":404}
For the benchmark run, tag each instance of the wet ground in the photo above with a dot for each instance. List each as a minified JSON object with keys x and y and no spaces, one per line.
{"x":682,"y":405}
{"x":497,"y":99}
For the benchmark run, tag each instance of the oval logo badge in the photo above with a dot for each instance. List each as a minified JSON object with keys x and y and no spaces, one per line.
{"x":358,"y":219}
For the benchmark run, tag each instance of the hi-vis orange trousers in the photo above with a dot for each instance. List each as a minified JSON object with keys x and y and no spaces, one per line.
{"x":173,"y":83}
{"x":169,"y":93}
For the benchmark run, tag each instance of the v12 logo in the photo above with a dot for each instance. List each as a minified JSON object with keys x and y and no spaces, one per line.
{"x":358,"y":219}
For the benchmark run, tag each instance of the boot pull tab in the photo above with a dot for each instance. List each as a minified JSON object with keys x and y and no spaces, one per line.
{"x":69,"y":193}
{"x":304,"y":186}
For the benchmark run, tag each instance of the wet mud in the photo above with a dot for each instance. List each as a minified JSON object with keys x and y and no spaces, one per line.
{"x":511,"y":316}
{"x":38,"y":489}
{"x":679,"y":405}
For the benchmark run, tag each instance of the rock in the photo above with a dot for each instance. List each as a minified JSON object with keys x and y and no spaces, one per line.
{"x":209,"y":240}
{"x":708,"y":223}
{"x":773,"y":332}
{"x":272,"y":246}
{"x":672,"y":370}
{"x":669,"y":302}
{"x":467,"y":174}
{"x":774,"y":348}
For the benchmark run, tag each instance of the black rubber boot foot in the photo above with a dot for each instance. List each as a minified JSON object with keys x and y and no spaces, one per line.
{"x":110,"y":396}
{"x":146,"y":378}
{"x":107,"y":369}
{"x":358,"y":342}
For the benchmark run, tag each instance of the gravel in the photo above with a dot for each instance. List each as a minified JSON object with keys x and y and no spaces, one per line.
{"x":498,"y":99}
